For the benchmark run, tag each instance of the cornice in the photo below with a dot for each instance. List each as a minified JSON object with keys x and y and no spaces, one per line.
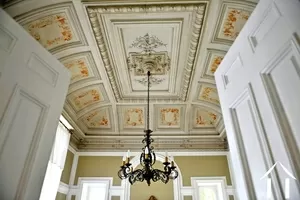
{"x":193,"y":144}
{"x":98,"y":29}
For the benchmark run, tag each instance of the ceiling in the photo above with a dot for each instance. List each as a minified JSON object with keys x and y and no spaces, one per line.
{"x":106,"y":45}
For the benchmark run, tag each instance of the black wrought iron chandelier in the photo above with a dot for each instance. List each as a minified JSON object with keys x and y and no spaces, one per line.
{"x":147,"y":160}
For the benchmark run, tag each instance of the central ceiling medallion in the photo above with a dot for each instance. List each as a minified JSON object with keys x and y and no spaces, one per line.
{"x":150,"y":58}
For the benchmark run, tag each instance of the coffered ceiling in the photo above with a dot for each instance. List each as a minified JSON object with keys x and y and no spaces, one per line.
{"x":108,"y":46}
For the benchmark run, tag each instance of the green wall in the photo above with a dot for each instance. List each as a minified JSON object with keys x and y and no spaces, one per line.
{"x":60,"y":196}
{"x":141,"y":191}
{"x":195,"y":166}
{"x":99,"y":166}
{"x":65,"y":176}
{"x":188,"y":198}
{"x":190,"y":166}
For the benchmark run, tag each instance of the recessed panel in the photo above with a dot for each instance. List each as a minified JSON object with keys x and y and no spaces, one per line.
{"x":148,"y":48}
{"x":51,"y":31}
{"x":23,"y":121}
{"x":55,"y":27}
{"x":231,"y":71}
{"x":87,"y":96}
{"x":81,"y":66}
{"x":7,"y":40}
{"x":232,"y":19}
{"x":132,"y":118}
{"x":204,"y":118}
{"x":164,"y":42}
{"x":282,"y":80}
{"x":213,"y":60}
{"x":271,"y":16}
{"x":47,"y":73}
{"x":99,"y":121}
{"x":247,"y":132}
{"x":169,"y":117}
{"x":208,"y":93}
{"x":7,"y":43}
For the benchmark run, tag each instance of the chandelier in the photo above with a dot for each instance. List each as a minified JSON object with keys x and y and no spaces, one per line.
{"x":147,"y":160}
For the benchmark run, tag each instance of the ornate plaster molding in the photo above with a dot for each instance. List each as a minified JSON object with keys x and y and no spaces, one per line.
{"x":98,"y":29}
{"x":199,"y":144}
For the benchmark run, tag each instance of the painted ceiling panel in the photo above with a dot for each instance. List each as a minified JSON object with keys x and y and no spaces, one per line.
{"x":109,"y":46}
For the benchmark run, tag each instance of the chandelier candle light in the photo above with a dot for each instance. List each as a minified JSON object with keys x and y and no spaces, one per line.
{"x":147,"y":160}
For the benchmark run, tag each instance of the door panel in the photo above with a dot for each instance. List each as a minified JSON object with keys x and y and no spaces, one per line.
{"x":33,"y":87}
{"x":263,"y":126}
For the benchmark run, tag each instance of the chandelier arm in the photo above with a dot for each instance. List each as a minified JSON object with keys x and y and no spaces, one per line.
{"x":154,"y":158}
{"x":136,"y":175}
{"x":160,"y":175}
{"x":142,"y":160}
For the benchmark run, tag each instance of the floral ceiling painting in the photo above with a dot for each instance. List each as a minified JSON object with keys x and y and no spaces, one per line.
{"x":233,"y":23}
{"x":209,"y":94}
{"x":97,"y":119}
{"x":108,"y":48}
{"x":214,"y":64}
{"x":213,"y":60}
{"x":134,"y":117}
{"x":204,"y":118}
{"x":78,"y":68}
{"x":51,"y":31}
{"x":169,"y":117}
{"x":85,"y":97}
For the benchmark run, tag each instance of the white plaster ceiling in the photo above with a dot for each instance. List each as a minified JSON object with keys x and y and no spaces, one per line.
{"x":101,"y":41}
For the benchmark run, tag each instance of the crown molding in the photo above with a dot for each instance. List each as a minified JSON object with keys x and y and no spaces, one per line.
{"x":171,"y":153}
{"x":97,"y":26}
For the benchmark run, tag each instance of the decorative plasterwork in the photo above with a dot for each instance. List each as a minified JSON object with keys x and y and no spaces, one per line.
{"x":82,"y":67}
{"x":212,"y":62}
{"x":234,"y":16}
{"x":122,"y":143}
{"x":99,"y":15}
{"x":112,"y":26}
{"x":54,"y":27}
{"x":148,"y":58}
{"x":169,"y":117}
{"x":87,"y":96}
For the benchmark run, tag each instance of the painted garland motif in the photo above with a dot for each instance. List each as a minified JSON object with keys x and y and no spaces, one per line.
{"x":59,"y":20}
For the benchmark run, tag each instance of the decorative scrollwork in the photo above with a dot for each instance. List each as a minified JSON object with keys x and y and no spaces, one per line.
{"x":147,"y":43}
{"x":157,"y":62}
{"x":153,"y":81}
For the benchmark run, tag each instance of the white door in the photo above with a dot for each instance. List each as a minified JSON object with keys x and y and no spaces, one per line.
{"x":33,"y":87}
{"x":259,"y":87}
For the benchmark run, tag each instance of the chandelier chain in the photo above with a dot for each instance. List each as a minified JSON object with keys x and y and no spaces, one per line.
{"x":148,"y":100}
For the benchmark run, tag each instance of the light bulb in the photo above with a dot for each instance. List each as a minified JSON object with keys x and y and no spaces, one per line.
{"x":124,"y":157}
{"x":146,"y":150}
{"x":128,"y":154}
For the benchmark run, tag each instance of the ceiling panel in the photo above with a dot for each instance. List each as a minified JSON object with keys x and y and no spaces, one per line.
{"x":108,"y":47}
